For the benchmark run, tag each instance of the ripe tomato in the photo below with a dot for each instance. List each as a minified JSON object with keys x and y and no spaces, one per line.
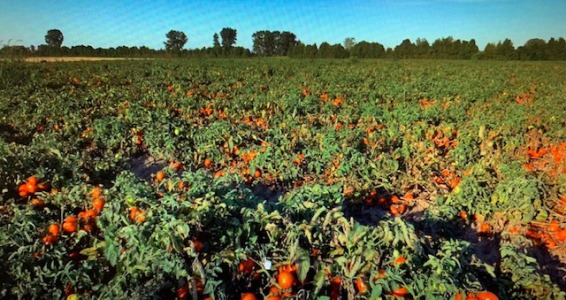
{"x":70,"y":224}
{"x":137,"y":215}
{"x":274,"y":293}
{"x":31,"y":188}
{"x":70,"y":219}
{"x":159,"y":176}
{"x":32,"y":180}
{"x":140,"y":218}
{"x":274,"y":290}
{"x":380,"y":274}
{"x":43,"y":186}
{"x":560,"y":235}
{"x":554,"y":226}
{"x":400,"y":292}
{"x":398,"y":209}
{"x":49,"y":239}
{"x":484,"y":228}
{"x":248,"y":296}
{"x":247,"y":266}
{"x":134,"y":211}
{"x":90,"y":215}
{"x":207,"y":163}
{"x":399,"y":261}
{"x":177,"y":166}
{"x":514,"y":230}
{"x":471,"y":296}
{"x":550,"y":243}
{"x":291,"y":268}
{"x":88,"y":227}
{"x":54,"y":229}
{"x":285,"y":280}
{"x":395,"y":199}
{"x":37,"y":203}
{"x":98,"y":204}
{"x":336,"y":281}
{"x":23,"y":191}
{"x":69,"y":227}
{"x":183,"y":292}
{"x":96,"y":192}
{"x":382,"y":201}
{"x":198,"y":245}
{"x":486,"y":295}
{"x":361,"y":285}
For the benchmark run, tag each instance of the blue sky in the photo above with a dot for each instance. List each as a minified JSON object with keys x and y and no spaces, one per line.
{"x":111,"y":23}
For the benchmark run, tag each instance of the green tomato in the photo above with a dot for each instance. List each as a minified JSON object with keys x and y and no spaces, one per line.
{"x":457,"y":190}
{"x":177,"y":131}
{"x":130,"y":200}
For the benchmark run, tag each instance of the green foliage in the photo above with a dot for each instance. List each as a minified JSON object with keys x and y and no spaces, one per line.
{"x":176,"y":40}
{"x":228,"y":37}
{"x":379,"y":171}
{"x":54,"y":38}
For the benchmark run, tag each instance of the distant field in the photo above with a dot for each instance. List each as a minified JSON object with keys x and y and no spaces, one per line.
{"x":71,"y":58}
{"x":338,"y":179}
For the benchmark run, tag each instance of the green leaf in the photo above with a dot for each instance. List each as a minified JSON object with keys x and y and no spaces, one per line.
{"x":304,"y":266}
{"x":376,"y":292}
{"x":319,"y":280}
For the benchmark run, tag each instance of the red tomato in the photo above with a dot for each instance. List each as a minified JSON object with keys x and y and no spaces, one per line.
{"x":486,"y":295}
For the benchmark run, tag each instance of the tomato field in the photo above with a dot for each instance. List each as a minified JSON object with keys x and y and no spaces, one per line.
{"x":279,"y":179}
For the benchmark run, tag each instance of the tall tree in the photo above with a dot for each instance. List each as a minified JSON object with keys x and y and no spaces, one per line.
{"x":176,"y":40}
{"x":215,"y":42}
{"x":422,"y":48}
{"x":228,"y":37}
{"x":490,"y":51}
{"x":534,"y":49}
{"x":284,"y":41}
{"x":297,"y":51}
{"x":325,"y":50}
{"x":470,"y":50}
{"x":311,"y":51}
{"x":505,"y":50}
{"x":406,"y":49}
{"x":264,"y":42}
{"x":556,"y":49}
{"x":349,"y":43}
{"x":259,"y":42}
{"x":560,"y":49}
{"x":269,"y":43}
{"x":365,"y":49}
{"x":54,"y":38}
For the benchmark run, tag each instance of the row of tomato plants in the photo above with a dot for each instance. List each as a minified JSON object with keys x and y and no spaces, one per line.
{"x":274,"y":126}
{"x":190,"y":233}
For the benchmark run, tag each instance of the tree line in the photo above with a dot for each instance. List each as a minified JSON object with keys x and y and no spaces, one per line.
{"x":285,"y":43}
